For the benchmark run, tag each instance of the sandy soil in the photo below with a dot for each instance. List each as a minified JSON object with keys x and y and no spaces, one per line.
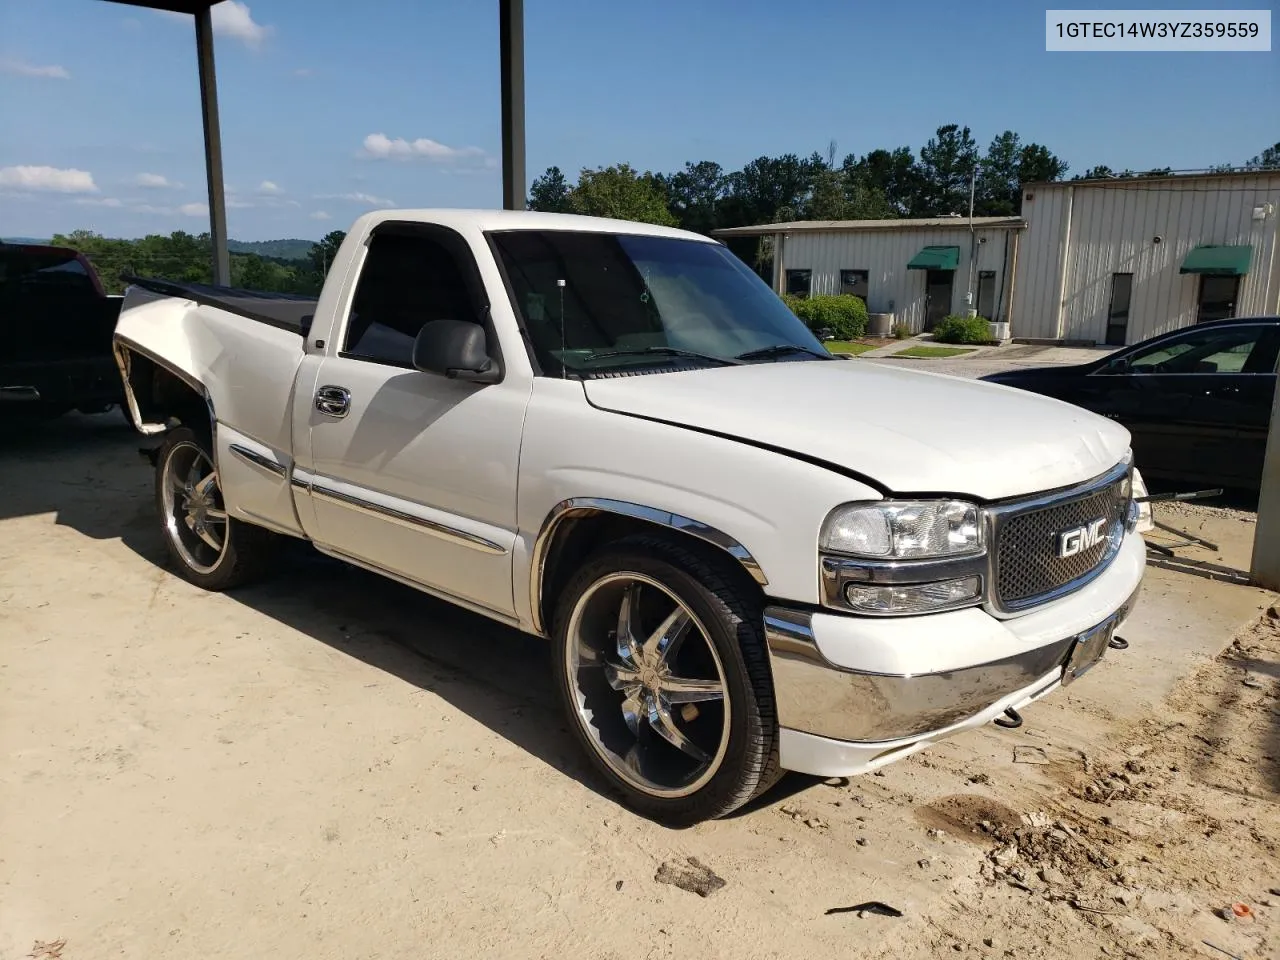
{"x":330,"y":765}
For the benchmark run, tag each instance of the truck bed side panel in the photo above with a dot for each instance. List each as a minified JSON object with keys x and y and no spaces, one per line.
{"x":246,"y":370}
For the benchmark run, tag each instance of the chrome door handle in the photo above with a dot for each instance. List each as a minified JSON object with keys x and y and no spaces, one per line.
{"x":333,"y":401}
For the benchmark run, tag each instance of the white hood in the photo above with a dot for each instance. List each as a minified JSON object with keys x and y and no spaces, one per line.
{"x":910,"y":431}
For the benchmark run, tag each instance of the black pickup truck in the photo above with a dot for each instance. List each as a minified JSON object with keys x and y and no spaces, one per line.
{"x":56,"y":323}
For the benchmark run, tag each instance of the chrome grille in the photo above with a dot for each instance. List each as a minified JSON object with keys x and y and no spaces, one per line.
{"x":1028,"y":568}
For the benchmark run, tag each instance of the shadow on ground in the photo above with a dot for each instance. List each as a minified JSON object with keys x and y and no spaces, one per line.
{"x":87,"y":471}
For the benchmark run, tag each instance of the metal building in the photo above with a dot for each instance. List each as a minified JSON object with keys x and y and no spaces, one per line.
{"x":1117,"y":261}
{"x":917,"y":270}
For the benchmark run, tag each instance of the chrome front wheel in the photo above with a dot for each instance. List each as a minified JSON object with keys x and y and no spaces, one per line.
{"x":665,"y":678}
{"x":650,"y":688}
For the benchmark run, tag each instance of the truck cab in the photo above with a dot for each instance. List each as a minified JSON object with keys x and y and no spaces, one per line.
{"x":747,"y":555}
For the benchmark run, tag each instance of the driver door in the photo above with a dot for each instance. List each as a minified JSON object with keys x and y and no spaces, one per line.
{"x":413,"y":473}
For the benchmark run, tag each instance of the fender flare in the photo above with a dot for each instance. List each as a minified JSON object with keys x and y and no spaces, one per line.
{"x":122,"y":347}
{"x":591,"y":506}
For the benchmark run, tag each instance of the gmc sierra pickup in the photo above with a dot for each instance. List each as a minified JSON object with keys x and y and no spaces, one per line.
{"x":747,"y":556}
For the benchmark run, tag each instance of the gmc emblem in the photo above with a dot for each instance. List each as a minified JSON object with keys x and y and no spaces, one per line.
{"x":1077,"y":539}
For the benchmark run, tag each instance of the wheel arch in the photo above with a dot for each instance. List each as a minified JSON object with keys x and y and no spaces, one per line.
{"x":578,"y":525}
{"x":159,"y":392}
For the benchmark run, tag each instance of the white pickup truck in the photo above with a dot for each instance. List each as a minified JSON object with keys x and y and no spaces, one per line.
{"x":748,"y":556}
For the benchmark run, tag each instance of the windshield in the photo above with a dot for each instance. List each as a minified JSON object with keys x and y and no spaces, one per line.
{"x":600,"y":301}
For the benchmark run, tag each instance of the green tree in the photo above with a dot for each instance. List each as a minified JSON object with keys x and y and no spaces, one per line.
{"x":889,"y":174}
{"x":946,"y":163}
{"x":1268,"y":159}
{"x":550,"y":192}
{"x":999,"y":177}
{"x":325,"y":252}
{"x":621,"y":193}
{"x":1009,"y":163}
{"x":769,"y":189}
{"x":694,"y":195}
{"x":1036,"y":164}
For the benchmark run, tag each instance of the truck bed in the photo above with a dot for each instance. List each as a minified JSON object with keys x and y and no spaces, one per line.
{"x":285,"y":311}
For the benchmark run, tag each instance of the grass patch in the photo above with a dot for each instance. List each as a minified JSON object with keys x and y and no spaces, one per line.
{"x":932,"y":352}
{"x":852,"y":347}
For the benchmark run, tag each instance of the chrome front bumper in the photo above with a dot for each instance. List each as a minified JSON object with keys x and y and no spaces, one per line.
{"x":885,"y":683}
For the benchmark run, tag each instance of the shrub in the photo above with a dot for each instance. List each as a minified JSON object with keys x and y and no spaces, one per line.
{"x":955,"y":329}
{"x":844,"y":316}
{"x":901,"y":331}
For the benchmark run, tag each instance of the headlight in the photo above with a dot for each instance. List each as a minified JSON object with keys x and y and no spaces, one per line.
{"x":904,"y":529}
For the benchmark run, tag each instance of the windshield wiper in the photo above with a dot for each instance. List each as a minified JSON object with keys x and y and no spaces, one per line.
{"x":663,"y":352}
{"x":777,"y":350}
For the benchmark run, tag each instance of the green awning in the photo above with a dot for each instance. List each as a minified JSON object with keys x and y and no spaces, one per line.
{"x":936,"y":258}
{"x":1218,"y":261}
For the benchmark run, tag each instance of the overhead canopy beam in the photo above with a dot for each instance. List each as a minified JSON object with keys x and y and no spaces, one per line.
{"x":212,"y":148}
{"x":1265,"y":568}
{"x":511,"y":43}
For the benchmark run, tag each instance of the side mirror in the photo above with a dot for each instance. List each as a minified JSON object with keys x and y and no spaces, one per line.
{"x":454,"y":349}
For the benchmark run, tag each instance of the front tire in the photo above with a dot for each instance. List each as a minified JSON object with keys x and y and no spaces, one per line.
{"x":662,"y":669}
{"x":206,"y":547}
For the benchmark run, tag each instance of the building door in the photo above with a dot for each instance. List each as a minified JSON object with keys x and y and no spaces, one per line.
{"x":1217,"y":298}
{"x":1118,"y":312}
{"x":987,"y":294}
{"x":937,"y":296}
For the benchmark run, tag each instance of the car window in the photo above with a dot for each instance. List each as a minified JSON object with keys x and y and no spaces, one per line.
{"x":407,"y":281}
{"x":51,"y":273}
{"x":1225,"y":350}
{"x":596,"y":301}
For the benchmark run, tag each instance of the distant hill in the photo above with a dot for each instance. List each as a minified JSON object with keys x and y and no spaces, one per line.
{"x":278,"y":249}
{"x":274,"y":249}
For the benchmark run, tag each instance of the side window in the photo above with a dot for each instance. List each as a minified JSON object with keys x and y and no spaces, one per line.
{"x":1206,"y":351}
{"x":799,"y":282}
{"x":1265,"y":357}
{"x":407,"y":281}
{"x":854,"y":283}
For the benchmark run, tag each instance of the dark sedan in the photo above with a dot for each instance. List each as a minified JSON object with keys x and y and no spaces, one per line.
{"x":1197,"y":401}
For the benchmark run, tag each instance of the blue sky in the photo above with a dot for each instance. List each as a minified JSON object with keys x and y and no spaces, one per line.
{"x":332,"y":108}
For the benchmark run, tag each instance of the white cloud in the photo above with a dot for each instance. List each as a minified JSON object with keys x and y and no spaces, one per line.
{"x":378,"y":146}
{"x":267,"y":188}
{"x":304,"y":72}
{"x":99,"y":202}
{"x":231,"y":18}
{"x":48,"y":179}
{"x":23,"y":69}
{"x":194,"y":210}
{"x":155,"y":181}
{"x":367,"y":198}
{"x":320,"y":215}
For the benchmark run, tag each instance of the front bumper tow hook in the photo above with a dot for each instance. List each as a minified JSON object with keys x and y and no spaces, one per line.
{"x":1118,"y":643}
{"x":1011,"y":720}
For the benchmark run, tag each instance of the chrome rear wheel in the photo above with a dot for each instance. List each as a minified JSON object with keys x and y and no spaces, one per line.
{"x":193,"y":512}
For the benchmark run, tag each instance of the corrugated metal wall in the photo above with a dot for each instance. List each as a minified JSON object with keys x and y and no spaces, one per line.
{"x":892,"y":288}
{"x":1101,"y":229}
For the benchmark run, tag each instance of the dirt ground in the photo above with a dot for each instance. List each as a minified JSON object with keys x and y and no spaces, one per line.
{"x":332,"y":766}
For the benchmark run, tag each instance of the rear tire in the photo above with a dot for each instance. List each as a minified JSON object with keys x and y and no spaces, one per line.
{"x":206,"y":546}
{"x":663,"y":672}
